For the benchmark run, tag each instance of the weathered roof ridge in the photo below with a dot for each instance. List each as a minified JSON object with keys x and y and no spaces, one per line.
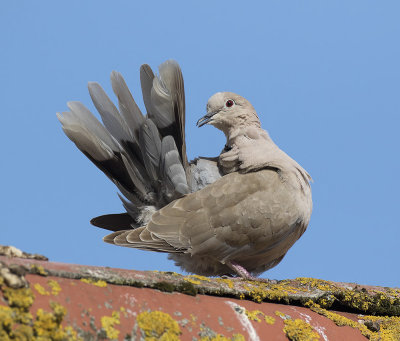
{"x":91,"y":302}
{"x":347,"y":297}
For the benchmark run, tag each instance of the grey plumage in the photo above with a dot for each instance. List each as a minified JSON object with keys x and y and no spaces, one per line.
{"x":235,"y":214}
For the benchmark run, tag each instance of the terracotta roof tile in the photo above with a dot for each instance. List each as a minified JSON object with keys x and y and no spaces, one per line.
{"x":40,"y":298}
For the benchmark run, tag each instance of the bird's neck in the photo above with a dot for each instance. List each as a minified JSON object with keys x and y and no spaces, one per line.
{"x":243,"y":142}
{"x":239,"y":134}
{"x":239,"y":124}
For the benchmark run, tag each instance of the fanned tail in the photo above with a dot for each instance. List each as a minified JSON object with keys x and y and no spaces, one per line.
{"x":144,"y":156}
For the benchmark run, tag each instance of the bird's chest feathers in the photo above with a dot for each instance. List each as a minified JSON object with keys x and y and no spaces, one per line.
{"x":246,"y":151}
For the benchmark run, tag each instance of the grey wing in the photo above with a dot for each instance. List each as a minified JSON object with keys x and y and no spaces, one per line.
{"x":239,"y":217}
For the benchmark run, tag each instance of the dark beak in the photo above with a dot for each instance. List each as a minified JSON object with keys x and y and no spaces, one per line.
{"x":205,"y":119}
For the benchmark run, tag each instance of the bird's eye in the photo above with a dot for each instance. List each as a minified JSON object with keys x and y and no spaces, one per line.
{"x":229,"y":103}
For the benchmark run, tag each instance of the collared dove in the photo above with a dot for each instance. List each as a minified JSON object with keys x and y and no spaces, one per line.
{"x":236,"y":214}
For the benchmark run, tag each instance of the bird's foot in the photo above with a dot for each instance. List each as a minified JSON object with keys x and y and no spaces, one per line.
{"x":245,"y":275}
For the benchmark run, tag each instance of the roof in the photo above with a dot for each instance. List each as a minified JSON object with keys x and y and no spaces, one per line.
{"x":77,"y":302}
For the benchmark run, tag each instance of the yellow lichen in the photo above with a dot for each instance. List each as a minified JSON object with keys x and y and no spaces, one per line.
{"x":72,"y":334}
{"x":315,"y":283}
{"x":123,"y":311}
{"x":358,"y":299}
{"x":97,"y":283}
{"x":17,"y":323}
{"x":272,"y":292}
{"x":202,"y":278}
{"x":108,"y":324}
{"x":253,"y":315}
{"x":55,"y":287}
{"x":41,"y":290}
{"x":6,"y":321}
{"x":269,"y":319}
{"x":299,"y":330}
{"x":19,"y":298}
{"x":280,"y":314}
{"x":193,"y":319}
{"x":157,"y":325}
{"x":226,"y":281}
{"x":48,"y":324}
{"x":38,"y":269}
{"x":389,"y":327}
{"x":326,"y":302}
{"x":339,"y":319}
{"x":219,"y":337}
{"x":191,"y":280}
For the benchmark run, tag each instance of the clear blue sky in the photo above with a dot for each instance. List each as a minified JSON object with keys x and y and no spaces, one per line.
{"x":323,"y":76}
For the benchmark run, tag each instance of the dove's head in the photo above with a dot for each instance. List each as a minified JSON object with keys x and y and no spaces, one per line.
{"x":226,"y":111}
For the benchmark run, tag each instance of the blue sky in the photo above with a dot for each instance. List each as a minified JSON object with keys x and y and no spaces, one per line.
{"x":323,"y":76}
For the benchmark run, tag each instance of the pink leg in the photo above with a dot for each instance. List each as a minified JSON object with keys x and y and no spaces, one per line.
{"x":244,"y":274}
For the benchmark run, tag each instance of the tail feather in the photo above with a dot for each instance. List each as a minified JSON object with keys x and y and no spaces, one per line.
{"x":146,"y":81}
{"x":141,"y":183}
{"x":168,"y":103}
{"x":109,"y":113}
{"x":150,"y":145}
{"x":131,"y":207}
{"x":131,"y":114}
{"x":127,"y":105}
{"x":87,"y":133}
{"x":172,"y":76}
{"x":118,"y":222}
{"x":172,"y":170}
{"x":144,"y":157}
{"x":95,"y":142}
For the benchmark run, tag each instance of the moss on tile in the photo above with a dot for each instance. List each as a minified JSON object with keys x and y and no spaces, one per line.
{"x":187,"y":288}
{"x":164,"y":286}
